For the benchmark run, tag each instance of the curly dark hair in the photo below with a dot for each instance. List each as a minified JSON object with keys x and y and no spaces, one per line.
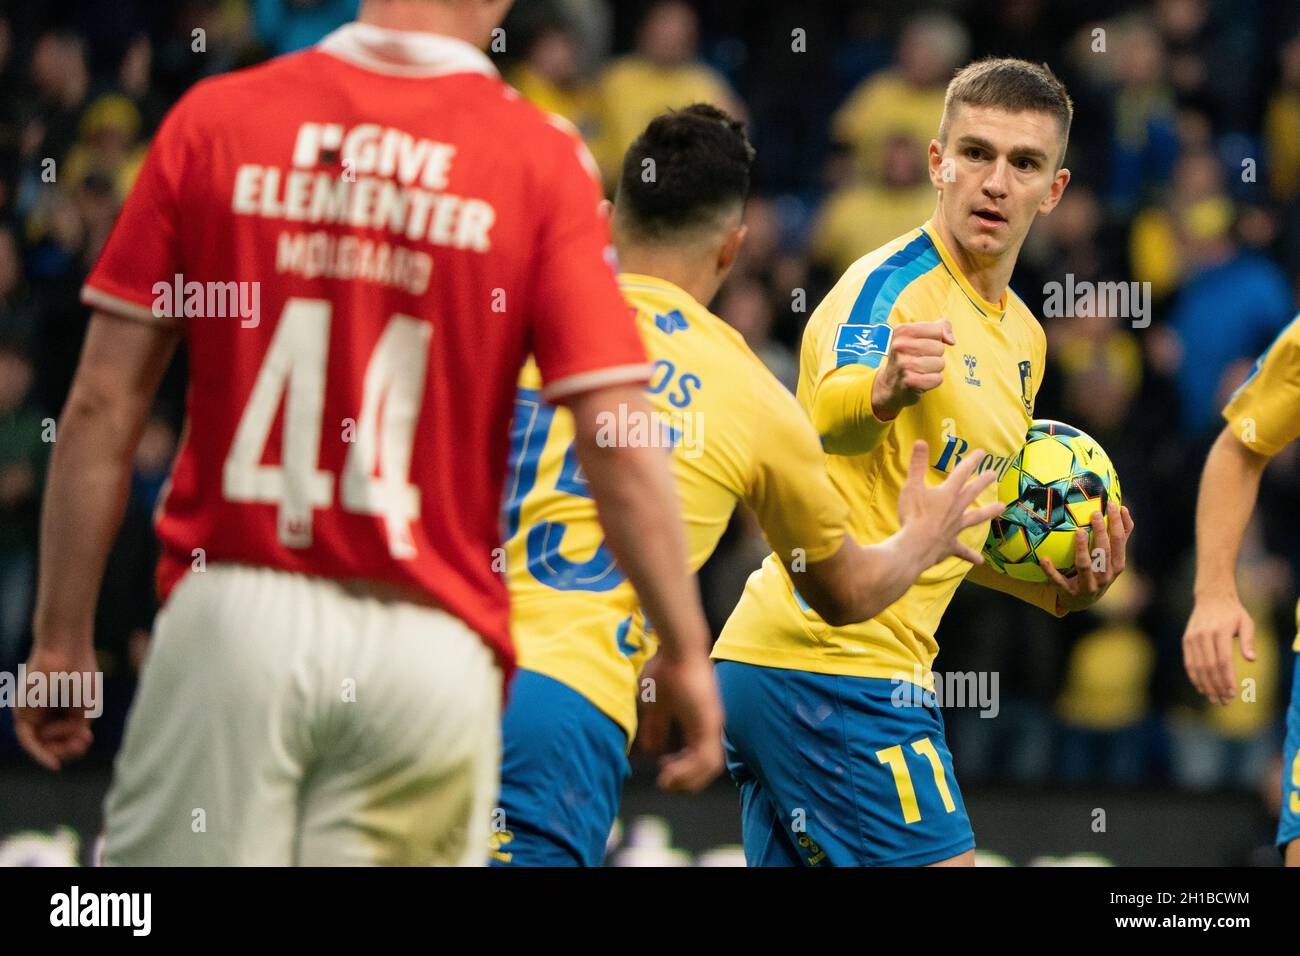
{"x":688,"y":169}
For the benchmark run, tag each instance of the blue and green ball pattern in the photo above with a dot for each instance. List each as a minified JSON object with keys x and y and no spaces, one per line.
{"x":1051,"y":489}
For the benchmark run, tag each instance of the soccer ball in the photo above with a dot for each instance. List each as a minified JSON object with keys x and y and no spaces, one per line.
{"x":1051,"y":488}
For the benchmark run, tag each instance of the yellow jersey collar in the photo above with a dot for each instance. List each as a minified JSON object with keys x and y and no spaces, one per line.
{"x":636,"y":280}
{"x":694,"y":309}
{"x":992,"y":310}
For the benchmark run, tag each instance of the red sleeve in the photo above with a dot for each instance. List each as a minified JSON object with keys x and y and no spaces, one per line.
{"x":143,"y":248}
{"x":584,"y":334}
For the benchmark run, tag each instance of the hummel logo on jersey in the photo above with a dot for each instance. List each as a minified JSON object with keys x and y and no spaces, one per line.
{"x":970,"y":361}
{"x":862,"y":344}
{"x":671,"y":322}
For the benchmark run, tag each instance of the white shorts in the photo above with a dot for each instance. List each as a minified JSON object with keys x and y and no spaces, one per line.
{"x":283,"y":719}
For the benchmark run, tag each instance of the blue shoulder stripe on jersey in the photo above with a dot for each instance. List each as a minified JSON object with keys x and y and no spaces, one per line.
{"x":881,"y":290}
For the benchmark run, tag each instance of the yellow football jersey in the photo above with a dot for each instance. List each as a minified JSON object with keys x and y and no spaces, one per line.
{"x":1264,"y":413}
{"x":986,"y":401}
{"x":736,"y":434}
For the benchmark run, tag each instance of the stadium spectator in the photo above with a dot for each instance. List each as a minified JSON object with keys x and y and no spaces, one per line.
{"x":135,"y":81}
{"x":1105,"y":704}
{"x":1144,"y":141}
{"x":1282,"y":126}
{"x":1210,"y":57}
{"x":1221,"y":273}
{"x":108,"y":146}
{"x":663,"y":73}
{"x":551,"y":76}
{"x":24,"y":450}
{"x":60,"y":79}
{"x":871,"y":211}
{"x":1159,"y":239}
{"x":906,"y":99}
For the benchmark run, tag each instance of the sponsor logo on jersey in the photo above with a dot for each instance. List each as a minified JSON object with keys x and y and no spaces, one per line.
{"x":954,"y":447}
{"x":671,"y":322}
{"x":862,"y":344}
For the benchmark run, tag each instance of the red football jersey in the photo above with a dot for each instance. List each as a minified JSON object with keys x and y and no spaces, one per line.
{"x":362,"y":243}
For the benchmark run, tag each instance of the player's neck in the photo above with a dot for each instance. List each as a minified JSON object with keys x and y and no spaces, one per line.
{"x":422,"y":17}
{"x":692,"y":274}
{"x":987,"y":275}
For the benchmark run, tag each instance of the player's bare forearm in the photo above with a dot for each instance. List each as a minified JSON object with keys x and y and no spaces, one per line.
{"x":121,"y":365}
{"x":857,"y":582}
{"x":1219,"y":622}
{"x":639,"y":512}
{"x":1041,"y":595}
{"x":1229,"y":488}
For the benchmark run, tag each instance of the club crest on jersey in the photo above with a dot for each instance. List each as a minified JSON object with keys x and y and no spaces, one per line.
{"x":970,"y":361}
{"x":671,"y":322}
{"x":862,"y":344}
{"x":1026,"y":379}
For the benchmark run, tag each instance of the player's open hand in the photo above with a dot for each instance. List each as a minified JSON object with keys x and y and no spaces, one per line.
{"x":1208,"y":652}
{"x":937,"y":515}
{"x":913,"y":367}
{"x":1095,"y":572}
{"x":686,"y":695}
{"x":54,"y":736}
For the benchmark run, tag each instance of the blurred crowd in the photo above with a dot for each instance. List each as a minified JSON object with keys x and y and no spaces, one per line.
{"x":1185,"y":157}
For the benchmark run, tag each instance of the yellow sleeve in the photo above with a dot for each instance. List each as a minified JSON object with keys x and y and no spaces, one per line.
{"x":1264,"y":413}
{"x":842,"y":412}
{"x":847,"y":357}
{"x":788,"y":489}
{"x":1040,"y":595}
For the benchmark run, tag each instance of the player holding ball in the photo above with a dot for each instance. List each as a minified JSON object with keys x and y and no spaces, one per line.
{"x":920,"y":339}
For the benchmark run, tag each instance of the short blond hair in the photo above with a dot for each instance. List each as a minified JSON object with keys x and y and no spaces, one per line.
{"x":1012,"y":85}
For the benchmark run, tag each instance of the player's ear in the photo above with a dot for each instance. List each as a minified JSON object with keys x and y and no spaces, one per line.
{"x":606,"y":210}
{"x":731,"y":247}
{"x":935,"y":157}
{"x":1059,"y":182}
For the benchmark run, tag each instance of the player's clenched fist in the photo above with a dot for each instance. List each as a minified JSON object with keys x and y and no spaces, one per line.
{"x":913,"y":367}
